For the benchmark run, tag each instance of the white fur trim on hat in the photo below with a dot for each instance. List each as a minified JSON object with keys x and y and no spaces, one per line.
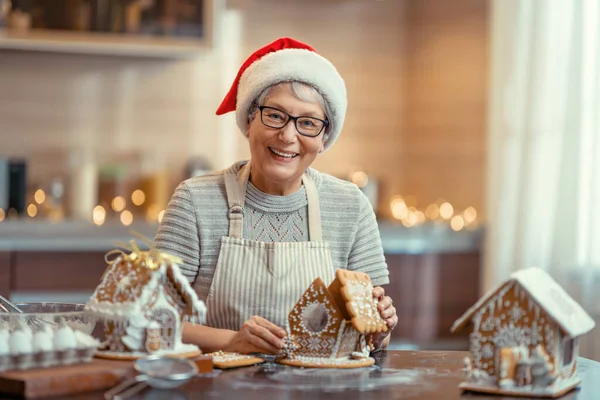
{"x":294,"y":65}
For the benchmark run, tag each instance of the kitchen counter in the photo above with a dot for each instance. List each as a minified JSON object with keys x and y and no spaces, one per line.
{"x":418,"y":375}
{"x":28,"y":235}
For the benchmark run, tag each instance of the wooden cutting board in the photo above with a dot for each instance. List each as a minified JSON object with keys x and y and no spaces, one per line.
{"x":65,"y":380}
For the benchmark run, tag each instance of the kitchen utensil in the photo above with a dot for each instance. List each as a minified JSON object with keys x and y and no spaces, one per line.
{"x":159,"y":372}
{"x":34,"y":314}
{"x":9,"y":307}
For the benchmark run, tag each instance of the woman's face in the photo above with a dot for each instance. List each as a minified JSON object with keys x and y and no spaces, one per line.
{"x":271,"y":172}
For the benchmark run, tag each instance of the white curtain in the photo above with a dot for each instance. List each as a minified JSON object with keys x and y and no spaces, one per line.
{"x":544,"y":147}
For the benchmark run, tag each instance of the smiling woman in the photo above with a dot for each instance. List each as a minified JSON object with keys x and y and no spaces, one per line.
{"x":280,"y":152}
{"x":253,"y":237}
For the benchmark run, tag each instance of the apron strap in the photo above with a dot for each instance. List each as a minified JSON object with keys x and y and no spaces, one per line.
{"x":314,"y":209}
{"x":235,"y":186}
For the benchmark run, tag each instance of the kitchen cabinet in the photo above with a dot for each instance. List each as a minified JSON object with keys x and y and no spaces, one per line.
{"x":430,"y":292}
{"x":61,"y":271}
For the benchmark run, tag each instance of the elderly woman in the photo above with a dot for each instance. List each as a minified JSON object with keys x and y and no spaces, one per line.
{"x":253,"y":237}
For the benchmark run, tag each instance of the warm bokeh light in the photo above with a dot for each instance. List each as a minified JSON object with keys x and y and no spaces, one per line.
{"x":470,"y":215}
{"x":152,"y":213}
{"x":138,"y":197}
{"x":39,"y":196}
{"x":457,"y":223}
{"x":2,"y":215}
{"x":410,"y":201}
{"x":160,"y":216}
{"x":118,"y":203}
{"x":126,"y":218}
{"x":12,"y":213}
{"x":420,"y":217}
{"x":432,"y":211}
{"x":98,"y":215}
{"x":360,"y":178}
{"x":32,"y":210}
{"x":446,"y":210}
{"x":410,"y":219}
{"x":398,"y":206}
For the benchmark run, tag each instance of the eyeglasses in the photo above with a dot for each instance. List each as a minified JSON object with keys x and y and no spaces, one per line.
{"x":306,"y":126}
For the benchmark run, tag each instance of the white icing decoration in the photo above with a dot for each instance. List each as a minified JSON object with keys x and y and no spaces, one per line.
{"x":20,"y":342}
{"x":64,"y":338}
{"x":43,"y":340}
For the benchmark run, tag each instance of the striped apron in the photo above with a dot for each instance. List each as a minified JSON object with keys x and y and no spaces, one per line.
{"x":264,"y":278}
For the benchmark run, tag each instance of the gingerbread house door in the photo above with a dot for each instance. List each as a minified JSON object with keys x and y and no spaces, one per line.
{"x":168,"y":322}
{"x":506,"y":364}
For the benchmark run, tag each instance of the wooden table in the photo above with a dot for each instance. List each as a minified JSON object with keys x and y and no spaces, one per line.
{"x":419,"y":375}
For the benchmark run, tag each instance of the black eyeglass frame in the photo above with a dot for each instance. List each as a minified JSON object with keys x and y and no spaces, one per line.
{"x":292,"y":118}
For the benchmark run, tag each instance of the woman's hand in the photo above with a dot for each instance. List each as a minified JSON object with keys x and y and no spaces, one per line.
{"x":388,"y":313}
{"x":257,"y":335}
{"x":386,"y":307}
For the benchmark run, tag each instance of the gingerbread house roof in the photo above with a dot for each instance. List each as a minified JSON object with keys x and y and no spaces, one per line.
{"x":127,"y":286}
{"x":548,"y":295}
{"x":353,"y":293}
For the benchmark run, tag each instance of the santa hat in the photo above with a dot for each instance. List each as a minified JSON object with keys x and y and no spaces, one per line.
{"x":287,"y":60}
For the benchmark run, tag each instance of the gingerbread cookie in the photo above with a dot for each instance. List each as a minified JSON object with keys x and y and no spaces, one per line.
{"x":226,"y":360}
{"x":339,"y":363}
{"x":355,"y":290}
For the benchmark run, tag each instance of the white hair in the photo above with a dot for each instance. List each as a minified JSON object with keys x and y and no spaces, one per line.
{"x":302,"y":91}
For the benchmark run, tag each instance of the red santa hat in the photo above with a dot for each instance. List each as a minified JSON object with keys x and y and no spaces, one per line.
{"x":287,"y":60}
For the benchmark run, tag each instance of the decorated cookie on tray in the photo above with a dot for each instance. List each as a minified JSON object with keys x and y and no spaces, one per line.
{"x":523,"y":339}
{"x":143,"y":301}
{"x":329,"y":326}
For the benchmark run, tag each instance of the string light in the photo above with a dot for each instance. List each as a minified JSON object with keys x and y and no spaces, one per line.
{"x":420,"y":217}
{"x":118,"y":203}
{"x":399,"y":209}
{"x":32,"y":210}
{"x":138,"y":197}
{"x":2,"y":215}
{"x":360,"y":178}
{"x":404,"y":209}
{"x":457,"y":223}
{"x":98,"y":215}
{"x":126,"y":218}
{"x":446,"y":210}
{"x":470,"y":215}
{"x":432,"y":211}
{"x":39,"y":196}
{"x":152,"y":213}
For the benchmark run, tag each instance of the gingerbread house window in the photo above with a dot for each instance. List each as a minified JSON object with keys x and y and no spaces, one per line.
{"x":315,"y":317}
{"x":167,"y":320}
{"x":568,"y":348}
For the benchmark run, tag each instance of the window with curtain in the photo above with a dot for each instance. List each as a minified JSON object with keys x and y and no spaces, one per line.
{"x":544,"y":147}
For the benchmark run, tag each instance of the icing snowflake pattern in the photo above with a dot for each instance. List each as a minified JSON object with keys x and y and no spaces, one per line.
{"x":511,"y":335}
{"x":487,"y":351}
{"x":516,"y":312}
{"x":491,"y":324}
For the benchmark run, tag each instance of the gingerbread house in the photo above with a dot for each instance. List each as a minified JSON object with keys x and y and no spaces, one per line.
{"x":523,"y":338}
{"x":143,"y":300}
{"x":329,"y":325}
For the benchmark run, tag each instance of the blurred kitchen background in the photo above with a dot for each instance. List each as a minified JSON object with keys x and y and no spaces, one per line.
{"x":472,"y":127}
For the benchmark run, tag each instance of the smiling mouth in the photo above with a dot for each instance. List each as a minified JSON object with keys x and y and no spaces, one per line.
{"x":282,"y":153}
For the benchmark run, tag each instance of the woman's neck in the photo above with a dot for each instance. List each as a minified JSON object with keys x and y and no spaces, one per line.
{"x":275,"y":188}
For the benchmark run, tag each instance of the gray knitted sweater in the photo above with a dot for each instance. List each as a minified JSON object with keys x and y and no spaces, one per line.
{"x":196,"y":219}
